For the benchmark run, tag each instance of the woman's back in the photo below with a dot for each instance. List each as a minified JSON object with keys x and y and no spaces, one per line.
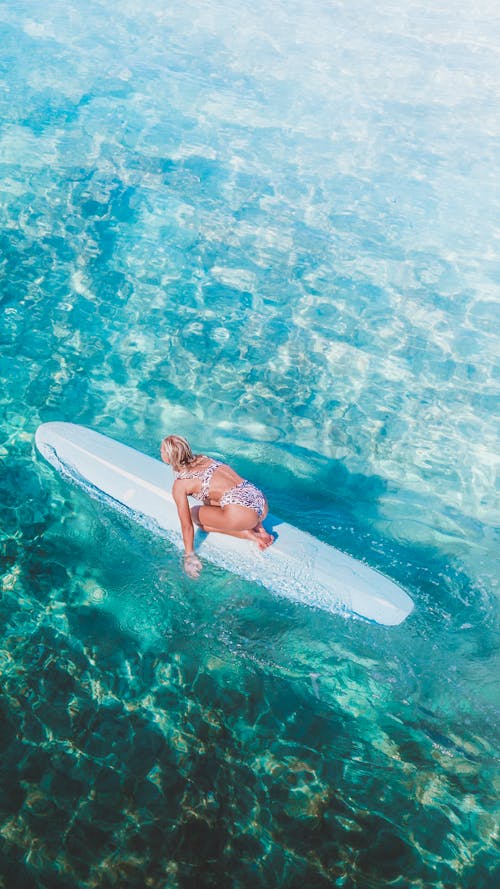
{"x":216,"y":478}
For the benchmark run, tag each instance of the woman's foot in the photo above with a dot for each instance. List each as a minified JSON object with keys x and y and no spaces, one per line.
{"x":261,"y":537}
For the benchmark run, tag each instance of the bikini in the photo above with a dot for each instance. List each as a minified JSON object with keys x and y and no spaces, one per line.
{"x":243,"y":494}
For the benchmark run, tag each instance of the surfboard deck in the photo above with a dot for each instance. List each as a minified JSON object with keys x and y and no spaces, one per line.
{"x":297,"y":565}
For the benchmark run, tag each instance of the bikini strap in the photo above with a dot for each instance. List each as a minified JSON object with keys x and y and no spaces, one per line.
{"x":207,"y":478}
{"x":204,"y":474}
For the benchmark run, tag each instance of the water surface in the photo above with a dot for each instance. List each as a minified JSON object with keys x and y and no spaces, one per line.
{"x":273,"y":231}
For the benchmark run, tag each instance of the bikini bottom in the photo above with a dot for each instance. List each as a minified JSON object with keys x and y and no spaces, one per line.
{"x":245,"y":494}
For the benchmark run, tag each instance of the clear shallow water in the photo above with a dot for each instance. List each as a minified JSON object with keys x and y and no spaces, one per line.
{"x":274,"y":231}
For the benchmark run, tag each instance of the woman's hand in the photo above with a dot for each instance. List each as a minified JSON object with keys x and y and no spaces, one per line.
{"x":192,"y":565}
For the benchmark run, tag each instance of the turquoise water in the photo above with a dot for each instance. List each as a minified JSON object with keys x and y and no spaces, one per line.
{"x":271,"y":229}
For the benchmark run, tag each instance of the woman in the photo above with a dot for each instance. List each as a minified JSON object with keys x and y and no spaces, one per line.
{"x":231,"y":505}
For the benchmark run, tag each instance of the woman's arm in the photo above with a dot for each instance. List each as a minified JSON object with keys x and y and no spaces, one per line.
{"x":192,"y":564}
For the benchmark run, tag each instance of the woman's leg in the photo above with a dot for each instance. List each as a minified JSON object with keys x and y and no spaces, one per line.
{"x":233,"y":519}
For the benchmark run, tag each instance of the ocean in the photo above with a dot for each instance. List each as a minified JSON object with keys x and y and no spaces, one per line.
{"x":273,"y":230}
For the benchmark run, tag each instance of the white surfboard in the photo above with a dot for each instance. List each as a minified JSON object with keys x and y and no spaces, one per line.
{"x":297,"y":565}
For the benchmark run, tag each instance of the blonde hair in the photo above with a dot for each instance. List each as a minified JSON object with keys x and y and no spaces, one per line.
{"x":178,"y":451}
